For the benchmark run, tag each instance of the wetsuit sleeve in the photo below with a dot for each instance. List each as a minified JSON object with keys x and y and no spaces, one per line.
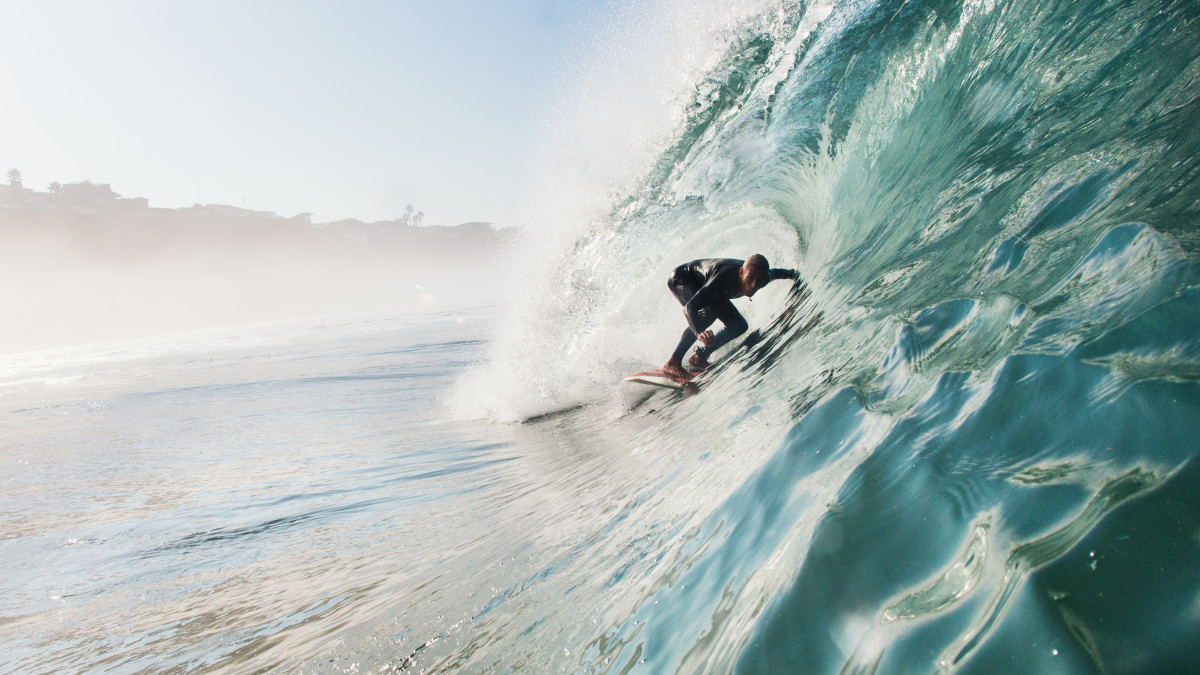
{"x":784,"y":274}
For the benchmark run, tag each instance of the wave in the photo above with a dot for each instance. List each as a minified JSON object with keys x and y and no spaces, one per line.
{"x":986,"y":390}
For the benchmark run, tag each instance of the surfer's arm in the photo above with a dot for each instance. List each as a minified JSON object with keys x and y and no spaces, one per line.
{"x":784,"y":274}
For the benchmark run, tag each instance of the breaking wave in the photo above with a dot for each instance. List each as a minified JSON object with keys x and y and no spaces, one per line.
{"x":968,"y":440}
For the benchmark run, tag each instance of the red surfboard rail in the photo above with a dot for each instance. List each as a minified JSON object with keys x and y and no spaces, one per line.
{"x":659,"y":378}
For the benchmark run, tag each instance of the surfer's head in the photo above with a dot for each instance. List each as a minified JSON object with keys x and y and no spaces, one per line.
{"x":754,"y":274}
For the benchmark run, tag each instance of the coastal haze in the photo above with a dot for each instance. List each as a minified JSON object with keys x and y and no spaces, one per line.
{"x":80,"y":263}
{"x":169,"y":167}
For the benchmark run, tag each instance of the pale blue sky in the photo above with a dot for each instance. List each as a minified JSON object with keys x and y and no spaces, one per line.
{"x":347,"y":109}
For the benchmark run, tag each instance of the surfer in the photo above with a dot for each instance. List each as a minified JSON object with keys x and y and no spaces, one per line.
{"x":705,"y":287}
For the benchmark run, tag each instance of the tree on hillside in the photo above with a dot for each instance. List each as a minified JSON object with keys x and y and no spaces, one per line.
{"x":416,"y":220}
{"x":14,"y":178}
{"x":55,"y":189}
{"x":406,"y":219}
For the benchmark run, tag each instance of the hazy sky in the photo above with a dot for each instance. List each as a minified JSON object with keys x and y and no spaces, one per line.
{"x":344,"y":109}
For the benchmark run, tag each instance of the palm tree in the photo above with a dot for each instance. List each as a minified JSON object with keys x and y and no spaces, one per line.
{"x":55,"y":190}
{"x":14,"y":178}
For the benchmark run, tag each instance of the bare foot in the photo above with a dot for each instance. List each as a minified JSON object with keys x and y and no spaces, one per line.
{"x":675,"y":369}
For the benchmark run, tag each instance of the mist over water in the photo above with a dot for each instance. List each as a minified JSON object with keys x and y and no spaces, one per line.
{"x":966,"y":443}
{"x":70,"y":276}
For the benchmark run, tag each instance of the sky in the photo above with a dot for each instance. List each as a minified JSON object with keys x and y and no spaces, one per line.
{"x":351,"y":109}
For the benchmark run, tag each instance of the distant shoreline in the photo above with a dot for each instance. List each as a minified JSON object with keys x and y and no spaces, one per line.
{"x":86,"y":197}
{"x":101,"y":267}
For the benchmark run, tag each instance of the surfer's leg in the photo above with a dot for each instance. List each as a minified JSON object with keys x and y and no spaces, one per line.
{"x":733,"y":324}
{"x":707,"y":316}
{"x":683,"y":292}
{"x":685,"y":343}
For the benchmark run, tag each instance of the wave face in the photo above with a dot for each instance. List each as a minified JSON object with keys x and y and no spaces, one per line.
{"x":968,"y":442}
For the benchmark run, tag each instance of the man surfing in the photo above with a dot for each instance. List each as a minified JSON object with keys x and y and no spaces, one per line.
{"x":705,"y":287}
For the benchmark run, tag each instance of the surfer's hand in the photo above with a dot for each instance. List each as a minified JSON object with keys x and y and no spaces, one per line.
{"x":706,"y":338}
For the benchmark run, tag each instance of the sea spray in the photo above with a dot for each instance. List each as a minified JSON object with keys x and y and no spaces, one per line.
{"x":579,"y":256}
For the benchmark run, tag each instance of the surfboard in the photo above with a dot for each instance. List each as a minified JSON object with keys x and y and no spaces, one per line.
{"x":658,"y":378}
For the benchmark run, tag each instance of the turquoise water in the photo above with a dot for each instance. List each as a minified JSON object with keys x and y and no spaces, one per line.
{"x":975,"y":429}
{"x":967,"y":443}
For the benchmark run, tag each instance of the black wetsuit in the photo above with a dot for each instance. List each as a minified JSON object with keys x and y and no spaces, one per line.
{"x":704,"y":288}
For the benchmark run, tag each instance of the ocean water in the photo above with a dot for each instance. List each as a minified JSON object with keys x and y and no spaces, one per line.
{"x":192,"y":502}
{"x":966,"y":443}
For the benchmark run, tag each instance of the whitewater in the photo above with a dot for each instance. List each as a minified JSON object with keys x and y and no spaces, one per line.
{"x":967,"y":442}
